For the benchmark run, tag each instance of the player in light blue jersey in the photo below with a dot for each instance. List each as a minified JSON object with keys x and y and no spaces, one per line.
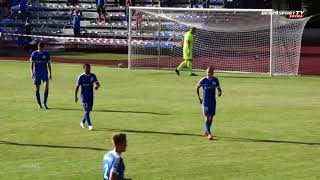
{"x":209,"y":85}
{"x":86,"y":81}
{"x":40,"y":63}
{"x":112,"y":164}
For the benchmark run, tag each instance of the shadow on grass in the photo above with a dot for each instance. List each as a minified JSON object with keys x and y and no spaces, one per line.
{"x":51,"y":146}
{"x":146,"y":132}
{"x":265,"y":140}
{"x":242,"y":76}
{"x":108,"y":110}
{"x":220,"y":138}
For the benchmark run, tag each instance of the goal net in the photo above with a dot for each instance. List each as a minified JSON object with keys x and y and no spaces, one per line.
{"x":234,"y":40}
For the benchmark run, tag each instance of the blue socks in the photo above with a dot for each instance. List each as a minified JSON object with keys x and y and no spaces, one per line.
{"x":86,"y":117}
{"x":46,"y":93}
{"x":207,"y":125}
{"x":38,"y":98}
{"x":210,"y":123}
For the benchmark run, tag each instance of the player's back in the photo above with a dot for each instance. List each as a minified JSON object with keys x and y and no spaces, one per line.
{"x":112,"y":162}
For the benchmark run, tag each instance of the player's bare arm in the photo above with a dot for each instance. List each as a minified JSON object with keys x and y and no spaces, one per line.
{"x":97,"y":85}
{"x":198,"y":93}
{"x":76,"y":93}
{"x":189,"y":45}
{"x":219,"y":91}
{"x":114,"y":176}
{"x":32,"y":68}
{"x":49,"y":67}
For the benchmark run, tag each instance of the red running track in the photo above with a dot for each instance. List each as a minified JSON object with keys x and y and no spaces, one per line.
{"x":309,"y":61}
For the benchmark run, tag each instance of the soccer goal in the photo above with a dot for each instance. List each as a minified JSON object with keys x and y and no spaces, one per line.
{"x":233,"y":40}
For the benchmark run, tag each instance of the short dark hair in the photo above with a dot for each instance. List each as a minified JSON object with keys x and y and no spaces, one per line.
{"x":86,"y":65}
{"x":210,"y":68}
{"x":40,"y":44}
{"x":118,"y":138}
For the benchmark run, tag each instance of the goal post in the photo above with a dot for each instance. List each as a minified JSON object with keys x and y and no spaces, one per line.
{"x":233,"y":40}
{"x":271,"y":45}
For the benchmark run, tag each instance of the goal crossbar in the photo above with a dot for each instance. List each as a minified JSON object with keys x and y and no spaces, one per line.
{"x":199,"y":9}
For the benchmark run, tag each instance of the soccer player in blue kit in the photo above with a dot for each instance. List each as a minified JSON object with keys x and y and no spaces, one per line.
{"x":86,"y":81}
{"x":209,"y":85}
{"x":40,"y":63}
{"x":112,"y":164}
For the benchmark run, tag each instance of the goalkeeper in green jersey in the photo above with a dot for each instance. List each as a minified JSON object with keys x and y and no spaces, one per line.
{"x":187,"y":52}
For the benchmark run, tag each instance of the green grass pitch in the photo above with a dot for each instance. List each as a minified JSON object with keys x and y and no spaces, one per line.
{"x":266,"y":128}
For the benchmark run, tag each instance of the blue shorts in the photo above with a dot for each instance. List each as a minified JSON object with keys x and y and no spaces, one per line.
{"x":209,"y":109}
{"x":87,"y":106}
{"x":38,"y":79}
